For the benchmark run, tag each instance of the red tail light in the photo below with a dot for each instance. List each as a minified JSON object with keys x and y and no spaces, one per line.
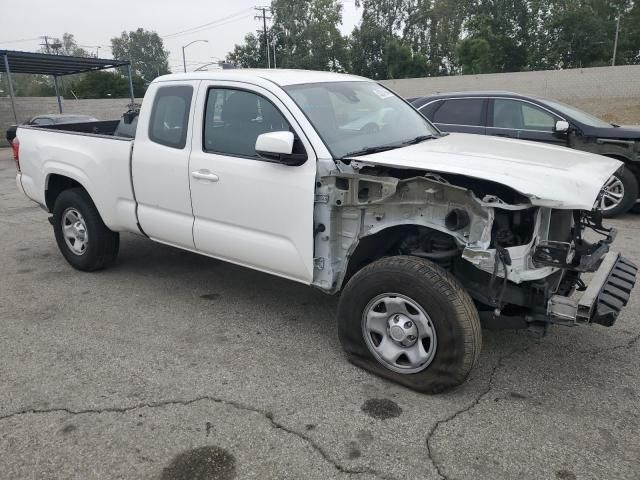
{"x":15,"y":146}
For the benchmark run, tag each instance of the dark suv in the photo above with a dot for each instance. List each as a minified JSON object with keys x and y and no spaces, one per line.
{"x":541,"y":120}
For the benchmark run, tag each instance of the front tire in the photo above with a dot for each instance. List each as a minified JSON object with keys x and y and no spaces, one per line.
{"x":82,"y":237}
{"x":621,"y":193}
{"x":410,"y":321}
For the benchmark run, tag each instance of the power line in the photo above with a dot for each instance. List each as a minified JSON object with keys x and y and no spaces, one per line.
{"x":20,"y":40}
{"x":213,"y":23}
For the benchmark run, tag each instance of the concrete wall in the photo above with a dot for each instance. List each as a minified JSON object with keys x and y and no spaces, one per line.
{"x":27,"y":107}
{"x":612,"y":93}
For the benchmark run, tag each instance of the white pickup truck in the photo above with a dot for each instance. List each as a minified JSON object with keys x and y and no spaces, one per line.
{"x":334,"y":181}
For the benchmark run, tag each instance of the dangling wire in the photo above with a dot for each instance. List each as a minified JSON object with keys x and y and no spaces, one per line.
{"x":501,"y":258}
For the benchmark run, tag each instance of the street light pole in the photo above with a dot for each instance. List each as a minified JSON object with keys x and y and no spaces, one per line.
{"x":184,"y":59}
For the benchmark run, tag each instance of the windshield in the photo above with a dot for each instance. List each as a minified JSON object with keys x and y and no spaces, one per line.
{"x":578,"y":115}
{"x":357,"y":116}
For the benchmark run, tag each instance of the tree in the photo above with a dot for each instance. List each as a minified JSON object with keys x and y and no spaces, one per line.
{"x":504,"y":25}
{"x":145,"y":50}
{"x":434,"y":28}
{"x":402,"y":37}
{"x":388,"y":15}
{"x":629,"y":42}
{"x":107,"y":85}
{"x":304,"y":34}
{"x":381,"y":22}
{"x":367,"y":51}
{"x":473,"y":56}
{"x":251,"y":54}
{"x":402,"y":62}
{"x":307,"y":36}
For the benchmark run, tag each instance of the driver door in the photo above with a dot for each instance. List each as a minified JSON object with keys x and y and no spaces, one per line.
{"x":248,"y":210}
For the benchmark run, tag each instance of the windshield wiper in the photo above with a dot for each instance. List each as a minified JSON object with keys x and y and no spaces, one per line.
{"x":385,"y":148}
{"x":419,"y":139}
{"x":370,"y":150}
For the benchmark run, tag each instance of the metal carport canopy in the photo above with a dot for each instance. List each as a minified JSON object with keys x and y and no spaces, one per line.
{"x":12,"y":61}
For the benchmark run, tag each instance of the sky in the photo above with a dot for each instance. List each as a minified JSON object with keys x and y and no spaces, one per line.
{"x":94,"y":23}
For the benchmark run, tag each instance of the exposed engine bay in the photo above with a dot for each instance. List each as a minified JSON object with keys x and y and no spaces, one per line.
{"x":511,"y":256}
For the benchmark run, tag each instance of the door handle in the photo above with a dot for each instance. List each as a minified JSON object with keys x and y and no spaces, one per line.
{"x":205,"y":175}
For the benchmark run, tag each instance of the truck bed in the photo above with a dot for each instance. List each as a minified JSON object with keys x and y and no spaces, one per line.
{"x":88,"y":153}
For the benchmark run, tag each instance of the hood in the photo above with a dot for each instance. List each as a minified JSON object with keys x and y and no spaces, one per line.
{"x":548,"y":175}
{"x":623,"y":132}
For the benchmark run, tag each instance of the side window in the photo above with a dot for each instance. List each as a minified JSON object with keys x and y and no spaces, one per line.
{"x":170,"y":116}
{"x":466,"y":111}
{"x":537,"y":119}
{"x":429,"y":109}
{"x":234,"y":119}
{"x":518,"y":115}
{"x":42,"y":121}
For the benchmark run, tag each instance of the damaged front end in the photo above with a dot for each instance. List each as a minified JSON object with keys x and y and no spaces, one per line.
{"x":520,"y":262}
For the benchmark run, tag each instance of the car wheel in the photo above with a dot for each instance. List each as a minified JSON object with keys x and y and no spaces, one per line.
{"x":82,"y":237}
{"x":410,"y":321}
{"x":620,"y":194}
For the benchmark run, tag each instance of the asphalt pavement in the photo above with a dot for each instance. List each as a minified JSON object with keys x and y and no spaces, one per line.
{"x":175,"y":366}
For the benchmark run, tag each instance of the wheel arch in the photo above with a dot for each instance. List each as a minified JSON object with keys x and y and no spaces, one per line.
{"x":381,"y":243}
{"x":629,"y":164}
{"x":56,"y":183}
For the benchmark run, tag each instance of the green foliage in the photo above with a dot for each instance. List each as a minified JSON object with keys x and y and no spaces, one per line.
{"x":367,"y":48}
{"x":401,"y":62}
{"x":28,"y":85}
{"x":251,"y":54}
{"x":107,"y":85}
{"x":473,"y":56}
{"x":145,"y":50}
{"x":434,"y":28}
{"x":306,"y":35}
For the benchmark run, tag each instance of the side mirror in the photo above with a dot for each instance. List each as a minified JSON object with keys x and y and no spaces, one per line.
{"x":562,"y":126}
{"x":278,"y":147}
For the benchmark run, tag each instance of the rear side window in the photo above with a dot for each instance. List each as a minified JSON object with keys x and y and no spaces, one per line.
{"x":42,"y":121}
{"x":170,"y":116}
{"x":467,"y":111}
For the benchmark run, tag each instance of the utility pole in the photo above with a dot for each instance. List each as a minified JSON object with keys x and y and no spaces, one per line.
{"x":46,"y":43}
{"x":264,"y":19}
{"x":615,"y":42}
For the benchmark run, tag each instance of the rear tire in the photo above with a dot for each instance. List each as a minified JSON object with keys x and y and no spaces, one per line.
{"x":82,"y":237}
{"x":426,"y":291}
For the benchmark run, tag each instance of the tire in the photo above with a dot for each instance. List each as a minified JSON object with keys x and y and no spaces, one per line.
{"x":450,"y":312}
{"x":89,"y":245}
{"x":630,"y":184}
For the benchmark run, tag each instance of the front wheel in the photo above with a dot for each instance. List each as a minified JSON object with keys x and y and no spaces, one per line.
{"x":83,"y":238}
{"x":620,"y":194}
{"x":410,"y":321}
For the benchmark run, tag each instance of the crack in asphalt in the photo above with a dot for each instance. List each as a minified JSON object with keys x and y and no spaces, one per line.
{"x":476,"y":401}
{"x":499,"y":364}
{"x":624,"y":346}
{"x":266,"y":414}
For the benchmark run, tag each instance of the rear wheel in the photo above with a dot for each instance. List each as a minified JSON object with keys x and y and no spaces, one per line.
{"x":82,"y":237}
{"x":408,"y":320}
{"x":620,"y":194}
